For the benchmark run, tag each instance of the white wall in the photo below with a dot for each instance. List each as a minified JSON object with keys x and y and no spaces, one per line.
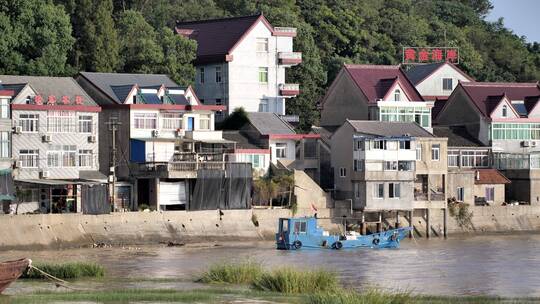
{"x":433,"y":85}
{"x":291,"y":149}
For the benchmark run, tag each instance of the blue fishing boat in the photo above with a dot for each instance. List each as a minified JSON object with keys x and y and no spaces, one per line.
{"x":303,"y":232}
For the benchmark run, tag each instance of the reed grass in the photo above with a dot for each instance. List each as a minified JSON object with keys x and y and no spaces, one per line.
{"x":366,"y":297}
{"x":287,"y":280}
{"x":64,"y":271}
{"x":233,"y":273}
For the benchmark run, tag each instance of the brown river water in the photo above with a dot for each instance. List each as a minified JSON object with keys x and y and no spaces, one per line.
{"x":501,"y":265}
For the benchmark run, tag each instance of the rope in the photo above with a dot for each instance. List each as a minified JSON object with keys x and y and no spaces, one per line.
{"x":58,"y":282}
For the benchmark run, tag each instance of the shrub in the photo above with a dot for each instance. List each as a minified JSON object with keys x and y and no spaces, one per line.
{"x":297,"y":281}
{"x":352,"y":297}
{"x":66,"y":270}
{"x":232,"y":273}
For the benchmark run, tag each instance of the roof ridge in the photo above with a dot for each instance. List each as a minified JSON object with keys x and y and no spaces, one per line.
{"x":177,"y":22}
{"x":108,"y":73}
{"x":499,"y":84}
{"x":374,"y":66}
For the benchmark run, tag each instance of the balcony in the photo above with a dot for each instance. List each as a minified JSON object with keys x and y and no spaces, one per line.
{"x":290,"y":58}
{"x":294,"y":119}
{"x":284,"y":31}
{"x":289,"y":89}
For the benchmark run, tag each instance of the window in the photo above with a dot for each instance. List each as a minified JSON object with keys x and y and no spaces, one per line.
{"x":393,"y":190}
{"x":397,"y":95}
{"x":5,"y":145}
{"x":263,"y":105}
{"x":172,"y":121}
{"x":262,"y":44}
{"x":85,"y":158}
{"x":390,"y":165}
{"x":263,"y":75}
{"x":474,"y":158}
{"x":201,"y":75}
{"x":218,"y":74}
{"x":358,"y":165}
{"x":28,"y":158}
{"x":145,"y":120}
{"x":356,"y":190}
{"x":69,"y":156}
{"x":358,"y":145}
{"x":418,"y":152}
{"x":218,"y":101}
{"x":504,"y":111}
{"x":257,"y":160}
{"x":4,"y":108}
{"x":204,"y":121}
{"x":490,"y":194}
{"x":447,"y":84}
{"x":342,"y":172}
{"x":60,"y":121}
{"x":54,"y":155}
{"x":460,"y":194}
{"x":29,"y":122}
{"x":420,"y":115}
{"x":300,"y":227}
{"x":453,"y":158}
{"x":405,"y":165}
{"x":378,"y":190}
{"x":378,"y":145}
{"x":85,"y":124}
{"x":405,"y":145}
{"x":281,"y":150}
{"x":435,"y":152}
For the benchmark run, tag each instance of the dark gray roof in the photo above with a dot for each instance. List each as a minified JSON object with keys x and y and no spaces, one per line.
{"x":419,"y":72}
{"x":325,"y":132}
{"x":122,"y":91}
{"x":386,"y":128}
{"x":242,"y":141}
{"x":106,"y":81}
{"x":47,"y":86}
{"x":269,"y":123}
{"x":458,"y":136}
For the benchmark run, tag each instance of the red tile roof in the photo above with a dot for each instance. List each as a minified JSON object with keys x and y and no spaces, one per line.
{"x":217,"y":38}
{"x":376,"y":80}
{"x":490,"y":176}
{"x":483,"y":94}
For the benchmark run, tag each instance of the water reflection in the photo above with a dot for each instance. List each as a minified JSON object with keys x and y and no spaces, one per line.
{"x":503,"y":265}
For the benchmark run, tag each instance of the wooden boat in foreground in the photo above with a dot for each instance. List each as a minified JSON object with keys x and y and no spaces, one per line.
{"x":11,"y":271}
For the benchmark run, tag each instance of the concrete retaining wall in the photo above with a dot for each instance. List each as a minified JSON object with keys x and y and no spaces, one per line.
{"x":69,"y":230}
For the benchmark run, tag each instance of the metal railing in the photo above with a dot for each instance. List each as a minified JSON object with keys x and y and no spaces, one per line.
{"x":290,"y":55}
{"x":289,"y":87}
{"x":283,"y":29}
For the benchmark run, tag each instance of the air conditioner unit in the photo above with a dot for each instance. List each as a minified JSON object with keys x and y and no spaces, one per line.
{"x":92,"y":139}
{"x":17,"y":129}
{"x":155,"y":133}
{"x":46,"y":138}
{"x":17,"y":164}
{"x":525,"y":143}
{"x":533,"y":143}
{"x":45,"y":174}
{"x":180,"y":132}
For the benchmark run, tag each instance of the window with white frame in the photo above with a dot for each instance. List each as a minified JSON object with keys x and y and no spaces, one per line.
{"x":54,"y":156}
{"x":204,"y":121}
{"x":69,"y":156}
{"x":171,"y":121}
{"x":405,"y":145}
{"x":453,"y":158}
{"x":397,"y":95}
{"x":504,"y":111}
{"x":460,"y":195}
{"x":435,"y":152}
{"x":201,"y":75}
{"x":378,"y":145}
{"x":358,"y":165}
{"x":281,"y":150}
{"x":86,"y":124}
{"x":29,"y":158}
{"x":145,"y":120}
{"x":490,"y":194}
{"x":357,"y":190}
{"x":60,"y":121}
{"x":342,"y":172}
{"x":263,"y":105}
{"x":474,"y":158}
{"x":4,"y":108}
{"x":390,"y":165}
{"x":29,"y":122}
{"x":218,"y":74}
{"x":418,"y":151}
{"x":447,"y":84}
{"x":86,"y":158}
{"x":394,"y":190}
{"x":5,"y":145}
{"x":262,"y":44}
{"x":263,"y":75}
{"x":378,"y":190}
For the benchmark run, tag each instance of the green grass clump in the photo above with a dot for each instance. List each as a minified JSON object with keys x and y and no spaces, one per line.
{"x":354,"y":297}
{"x":233,"y":273}
{"x":288,"y":280}
{"x":66,"y":270}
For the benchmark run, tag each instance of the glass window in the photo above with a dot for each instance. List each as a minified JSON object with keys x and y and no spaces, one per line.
{"x":60,"y":121}
{"x":263,"y":105}
{"x":390,"y":165}
{"x":85,"y":124}
{"x":69,"y":156}
{"x":54,"y":155}
{"x":356,"y":190}
{"x":358,"y":165}
{"x":4,"y":108}
{"x":300,"y":227}
{"x":281,"y":150}
{"x":145,"y":120}
{"x":405,"y":145}
{"x":378,"y":145}
{"x":218,"y":74}
{"x":5,"y":145}
{"x":504,"y":111}
{"x":435,"y":152}
{"x":85,"y":158}
{"x":171,"y":121}
{"x":29,"y":122}
{"x":342,"y":172}
{"x":378,"y":190}
{"x":397,"y":95}
{"x":419,"y":151}
{"x":490,"y":194}
{"x":29,"y":158}
{"x":204,"y":121}
{"x":201,"y":75}
{"x":394,"y":190}
{"x":453,"y":158}
{"x":460,"y":194}
{"x":263,"y":75}
{"x":262,"y":44}
{"x":447,"y":84}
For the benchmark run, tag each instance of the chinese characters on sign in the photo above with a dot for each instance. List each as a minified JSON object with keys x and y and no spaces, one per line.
{"x":416,"y":55}
{"x":52,"y":100}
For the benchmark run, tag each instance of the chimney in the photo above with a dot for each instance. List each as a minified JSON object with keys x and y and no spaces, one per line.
{"x":477,"y":175}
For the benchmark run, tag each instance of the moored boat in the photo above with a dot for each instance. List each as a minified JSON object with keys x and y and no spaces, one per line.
{"x":297,"y":233}
{"x":10,"y":271}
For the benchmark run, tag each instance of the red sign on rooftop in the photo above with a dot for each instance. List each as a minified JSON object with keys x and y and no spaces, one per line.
{"x":53,"y":100}
{"x":420,"y":55}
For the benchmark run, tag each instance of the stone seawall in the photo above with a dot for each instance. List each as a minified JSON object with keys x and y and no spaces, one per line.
{"x":70,"y":230}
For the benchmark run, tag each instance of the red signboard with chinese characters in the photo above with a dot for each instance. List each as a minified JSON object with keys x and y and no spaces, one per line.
{"x":53,"y":100}
{"x":420,"y":55}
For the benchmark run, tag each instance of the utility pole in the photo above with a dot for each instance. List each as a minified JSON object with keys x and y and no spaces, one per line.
{"x":113,"y":126}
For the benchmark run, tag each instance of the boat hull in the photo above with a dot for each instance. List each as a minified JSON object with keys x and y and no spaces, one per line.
{"x":10,"y":271}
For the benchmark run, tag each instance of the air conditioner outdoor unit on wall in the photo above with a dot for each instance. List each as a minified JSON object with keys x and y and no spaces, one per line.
{"x":155,"y":133}
{"x":45,"y":174}
{"x":180,"y":132}
{"x":17,"y":129}
{"x":92,"y":139}
{"x":524,"y":143}
{"x":17,"y":164}
{"x":46,"y":138}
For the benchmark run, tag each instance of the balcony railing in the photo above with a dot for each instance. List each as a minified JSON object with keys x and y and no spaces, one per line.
{"x":291,"y":118}
{"x":290,"y":58}
{"x":289,"y":89}
{"x":285,"y":31}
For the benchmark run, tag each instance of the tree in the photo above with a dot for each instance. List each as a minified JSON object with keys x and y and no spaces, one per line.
{"x":178,"y":55}
{"x":105,"y":57}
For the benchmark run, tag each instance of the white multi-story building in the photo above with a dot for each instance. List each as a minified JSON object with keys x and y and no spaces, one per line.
{"x":241,"y":62}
